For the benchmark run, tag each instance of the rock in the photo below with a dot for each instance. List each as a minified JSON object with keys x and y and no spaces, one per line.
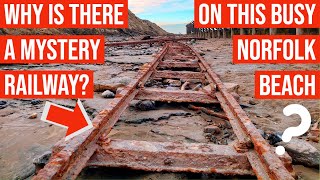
{"x":135,"y":68}
{"x":147,"y":37}
{"x":119,"y":90}
{"x":232,"y":87}
{"x":108,"y":94}
{"x":302,"y":152}
{"x":314,"y":132}
{"x":133,"y":103}
{"x":274,"y":138}
{"x":33,"y":116}
{"x":173,"y":83}
{"x":253,"y":102}
{"x":25,"y":173}
{"x":148,"y":52}
{"x":3,"y":104}
{"x":146,"y":105}
{"x":90,"y":111}
{"x":210,"y":88}
{"x":202,"y":54}
{"x":212,"y":129}
{"x":42,"y":160}
{"x":35,"y":102}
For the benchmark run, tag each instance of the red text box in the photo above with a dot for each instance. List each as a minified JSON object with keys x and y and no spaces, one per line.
{"x":52,"y":49}
{"x":64,"y":14}
{"x":46,"y":84}
{"x":250,"y":14}
{"x":287,"y":84}
{"x":276,"y":49}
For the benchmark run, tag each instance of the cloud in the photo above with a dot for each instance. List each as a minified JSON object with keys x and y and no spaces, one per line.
{"x":170,"y":14}
{"x":164,"y":6}
{"x":141,"y":6}
{"x":171,"y":23}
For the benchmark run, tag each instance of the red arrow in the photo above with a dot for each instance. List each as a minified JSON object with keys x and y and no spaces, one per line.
{"x":76,"y":121}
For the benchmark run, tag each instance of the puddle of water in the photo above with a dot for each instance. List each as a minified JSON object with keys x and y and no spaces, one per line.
{"x":305,"y":173}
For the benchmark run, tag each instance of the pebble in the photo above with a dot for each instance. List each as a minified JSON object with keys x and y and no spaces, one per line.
{"x":210,"y":88}
{"x":173,"y":83}
{"x":274,"y":138}
{"x":145,"y":105}
{"x":42,"y":160}
{"x":35,"y":102}
{"x":119,"y":90}
{"x":33,"y":116}
{"x":108,"y":94}
{"x":3,"y":104}
{"x":212,"y":129}
{"x":253,"y":102}
{"x":135,"y":68}
{"x":232,"y":87}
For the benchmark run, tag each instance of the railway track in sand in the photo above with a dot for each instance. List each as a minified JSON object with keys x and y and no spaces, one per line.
{"x":248,"y":155}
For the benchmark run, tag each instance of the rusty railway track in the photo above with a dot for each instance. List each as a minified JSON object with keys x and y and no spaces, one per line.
{"x":152,"y":41}
{"x":250,"y":154}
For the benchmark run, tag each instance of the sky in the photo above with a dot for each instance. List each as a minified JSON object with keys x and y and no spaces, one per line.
{"x":171,"y":15}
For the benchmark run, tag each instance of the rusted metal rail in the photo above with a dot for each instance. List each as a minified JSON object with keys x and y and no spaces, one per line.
{"x":151,"y":41}
{"x":250,"y":154}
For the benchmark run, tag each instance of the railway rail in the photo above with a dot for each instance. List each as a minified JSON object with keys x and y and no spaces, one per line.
{"x":152,"y":41}
{"x":249,"y":155}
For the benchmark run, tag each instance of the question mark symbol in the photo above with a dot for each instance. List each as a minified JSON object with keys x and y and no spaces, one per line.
{"x":84,"y":78}
{"x":295,"y":131}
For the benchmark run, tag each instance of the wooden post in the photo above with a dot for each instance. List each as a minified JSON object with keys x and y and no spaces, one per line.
{"x":254,"y":32}
{"x":232,"y":32}
{"x":273,"y":31}
{"x":224,"y":33}
{"x":242,"y":32}
{"x":299,"y":31}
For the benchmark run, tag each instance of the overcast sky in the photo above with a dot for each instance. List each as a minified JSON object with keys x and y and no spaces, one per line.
{"x":172,"y":15}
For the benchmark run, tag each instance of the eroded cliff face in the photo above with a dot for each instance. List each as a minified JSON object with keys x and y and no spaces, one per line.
{"x":137,"y":26}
